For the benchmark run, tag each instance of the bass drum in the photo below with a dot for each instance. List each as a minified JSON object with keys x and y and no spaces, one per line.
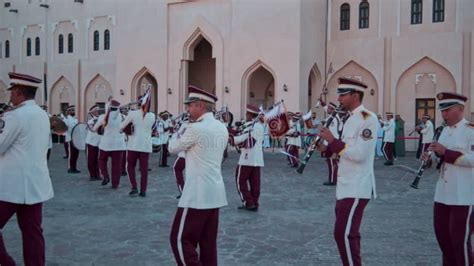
{"x":78,"y":136}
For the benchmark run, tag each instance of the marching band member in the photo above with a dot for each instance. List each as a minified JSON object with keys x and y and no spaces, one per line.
{"x":71,"y":121}
{"x":389,"y":138}
{"x":427,"y":133}
{"x":251,"y":160}
{"x":50,"y":143}
{"x":356,"y":183}
{"x":293,"y":140}
{"x":335,"y":127}
{"x":180,"y":164}
{"x":63,"y":115}
{"x":25,"y":183}
{"x":197,"y":218}
{"x":112,"y":143}
{"x":454,"y":197}
{"x":92,"y":142}
{"x":165,"y":127}
{"x":139,"y":144}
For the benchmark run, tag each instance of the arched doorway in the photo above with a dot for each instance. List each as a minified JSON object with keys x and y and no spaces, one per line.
{"x":202,"y":66}
{"x":98,"y":92}
{"x":62,"y":95}
{"x":416,"y":91}
{"x":315,"y":88}
{"x":258,"y":84}
{"x":355,"y":71}
{"x":140,"y":83}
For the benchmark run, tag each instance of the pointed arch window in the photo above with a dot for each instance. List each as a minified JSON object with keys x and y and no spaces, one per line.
{"x":60,"y":44}
{"x":106,"y":40}
{"x":345,"y":17}
{"x":416,"y":11}
{"x":438,"y":11}
{"x":96,"y":40}
{"x":28,"y":47}
{"x":70,"y":43}
{"x":37,"y":46}
{"x":364,"y":15}
{"x":7,"y":49}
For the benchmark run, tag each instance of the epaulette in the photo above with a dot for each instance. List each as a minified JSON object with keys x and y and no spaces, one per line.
{"x":365,"y":115}
{"x":470,"y":125}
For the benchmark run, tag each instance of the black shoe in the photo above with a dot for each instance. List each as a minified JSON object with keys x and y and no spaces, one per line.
{"x":165,"y":165}
{"x":105,"y":181}
{"x":65,"y":157}
{"x":124,"y":173}
{"x":73,"y":171}
{"x":179,"y":196}
{"x":329,"y":183}
{"x":142,"y":194}
{"x":149,"y":169}
{"x":95,"y":179}
{"x":248,"y":208}
{"x":388,"y":163}
{"x":133,"y":192}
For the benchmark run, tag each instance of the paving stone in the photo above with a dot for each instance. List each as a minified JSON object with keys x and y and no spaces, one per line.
{"x":87,"y":224}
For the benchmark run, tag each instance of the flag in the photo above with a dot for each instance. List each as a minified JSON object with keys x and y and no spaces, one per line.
{"x":145,"y":101}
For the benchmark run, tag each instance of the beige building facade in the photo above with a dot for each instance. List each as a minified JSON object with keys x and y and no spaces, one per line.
{"x":245,"y":51}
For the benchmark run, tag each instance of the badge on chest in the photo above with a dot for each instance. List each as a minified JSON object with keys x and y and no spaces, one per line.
{"x":366,"y":134}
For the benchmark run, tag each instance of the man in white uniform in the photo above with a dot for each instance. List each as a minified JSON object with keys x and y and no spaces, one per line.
{"x":24,"y":176}
{"x":251,"y":160}
{"x":71,"y":121}
{"x":356,"y":183}
{"x":453,"y":214}
{"x":92,"y":143}
{"x":389,"y":138}
{"x":197,"y":218}
{"x":427,"y":133}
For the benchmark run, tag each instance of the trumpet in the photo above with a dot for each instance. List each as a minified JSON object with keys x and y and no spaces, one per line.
{"x":424,"y":163}
{"x":124,"y":109}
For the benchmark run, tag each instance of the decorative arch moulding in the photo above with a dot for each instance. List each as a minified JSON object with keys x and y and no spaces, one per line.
{"x":419,"y":76}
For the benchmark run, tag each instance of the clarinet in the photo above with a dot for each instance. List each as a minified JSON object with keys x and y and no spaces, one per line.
{"x":315,"y":142}
{"x":424,"y":163}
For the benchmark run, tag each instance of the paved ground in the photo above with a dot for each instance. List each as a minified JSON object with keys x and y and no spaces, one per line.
{"x":86,"y":224}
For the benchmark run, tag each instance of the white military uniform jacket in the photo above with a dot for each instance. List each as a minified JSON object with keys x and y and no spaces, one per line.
{"x":92,"y":137}
{"x":254,"y":155}
{"x":140,"y":140}
{"x":356,"y":165}
{"x":456,"y":182}
{"x":184,"y":124}
{"x":204,"y":142}
{"x":24,"y":174}
{"x":71,"y":122}
{"x":427,"y":132}
{"x":164,"y":136}
{"x":294,"y":127}
{"x":389,"y":129}
{"x":113,"y":139}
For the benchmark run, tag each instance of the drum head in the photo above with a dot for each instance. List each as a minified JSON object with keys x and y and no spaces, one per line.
{"x":78,"y":136}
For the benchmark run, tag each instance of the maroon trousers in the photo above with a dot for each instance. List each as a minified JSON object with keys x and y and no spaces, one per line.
{"x":248,"y":184}
{"x":453,"y":227}
{"x":132,"y":158}
{"x":164,"y":155}
{"x":73,"y":155}
{"x":116,"y":165}
{"x":349,"y":212}
{"x":92,"y":154}
{"x":387,"y":149}
{"x":333,"y":166}
{"x":178,"y":169}
{"x":66,"y":148}
{"x":124,"y":162}
{"x":294,"y":158}
{"x":193,"y":227}
{"x":29,"y":219}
